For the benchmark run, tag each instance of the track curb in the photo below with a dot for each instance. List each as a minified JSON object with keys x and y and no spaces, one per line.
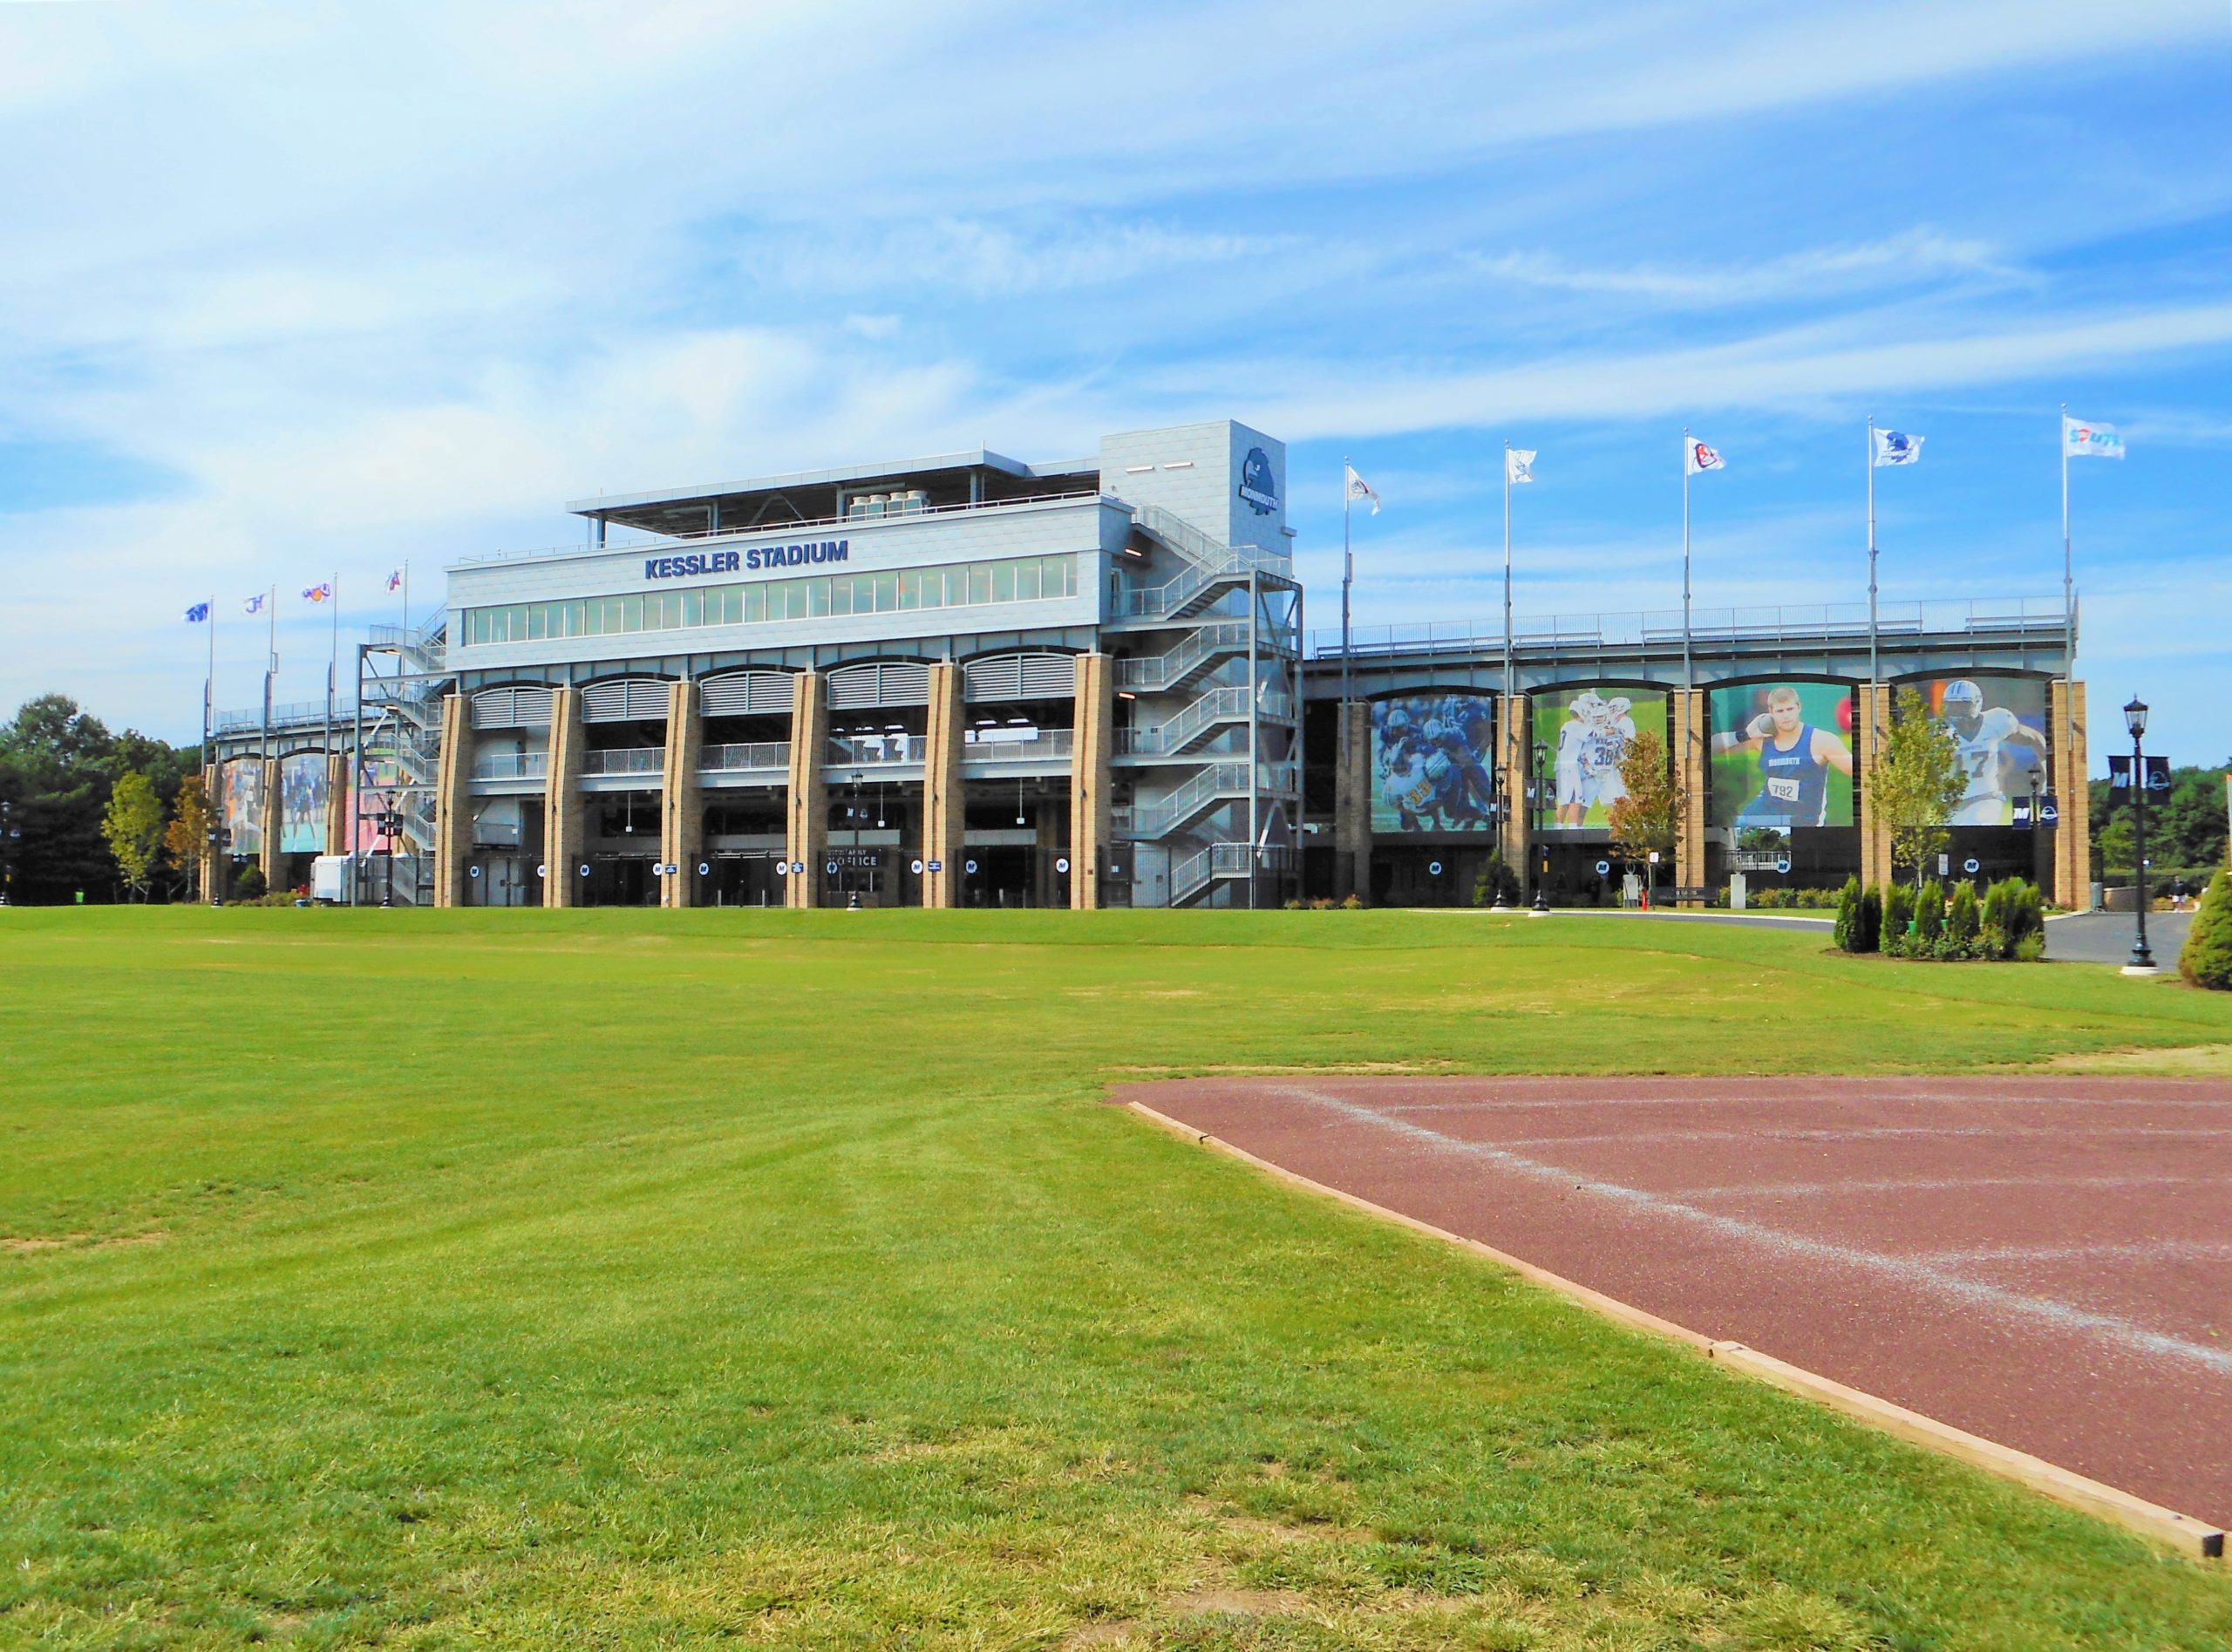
{"x":2195,"y":1538}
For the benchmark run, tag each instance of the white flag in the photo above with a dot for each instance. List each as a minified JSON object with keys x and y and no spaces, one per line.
{"x":1696,"y":457}
{"x":254,"y":604}
{"x":1358,"y":488}
{"x":1518,"y":463}
{"x":2083,"y":440}
{"x":1896,"y":447}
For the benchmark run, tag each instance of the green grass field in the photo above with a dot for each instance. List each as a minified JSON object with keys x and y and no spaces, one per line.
{"x":640,"y":1280}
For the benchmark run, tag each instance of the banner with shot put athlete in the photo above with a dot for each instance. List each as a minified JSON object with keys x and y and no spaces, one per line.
{"x":241,"y":801}
{"x":302,"y":802}
{"x":1432,"y":763}
{"x":1584,"y":728}
{"x":1780,"y":758}
{"x":1998,"y":725}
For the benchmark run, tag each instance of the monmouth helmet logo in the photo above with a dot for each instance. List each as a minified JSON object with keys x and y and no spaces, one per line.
{"x":1256,"y":485}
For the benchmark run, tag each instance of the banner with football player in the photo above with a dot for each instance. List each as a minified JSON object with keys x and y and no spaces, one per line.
{"x":1998,"y":728}
{"x":1432,"y":763}
{"x":1587,"y":727}
{"x":1780,"y":758}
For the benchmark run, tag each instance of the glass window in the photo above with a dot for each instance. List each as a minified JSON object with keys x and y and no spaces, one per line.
{"x":910,"y":588}
{"x":1065,"y":571}
{"x":841,"y":593}
{"x":1003,"y":582}
{"x":817,"y":597}
{"x":631,"y":613}
{"x":980,"y":582}
{"x":1026,"y":579}
{"x":693,"y":606}
{"x":755,"y":604}
{"x":886,"y":593}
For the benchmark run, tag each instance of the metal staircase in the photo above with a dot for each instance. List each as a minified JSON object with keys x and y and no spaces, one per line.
{"x":1194,"y":876}
{"x":404,"y":725}
{"x":1216,"y":708}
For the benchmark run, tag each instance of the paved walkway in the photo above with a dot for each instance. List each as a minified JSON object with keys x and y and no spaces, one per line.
{"x":2041,"y":1261}
{"x":2105,"y":937}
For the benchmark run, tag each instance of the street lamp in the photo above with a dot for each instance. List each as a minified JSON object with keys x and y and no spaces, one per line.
{"x":1541,"y":907}
{"x":852,"y":871}
{"x":10,"y":834}
{"x":2142,"y":961}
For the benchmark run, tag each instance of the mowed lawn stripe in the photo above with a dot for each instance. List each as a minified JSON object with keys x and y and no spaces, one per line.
{"x":780,"y":1277}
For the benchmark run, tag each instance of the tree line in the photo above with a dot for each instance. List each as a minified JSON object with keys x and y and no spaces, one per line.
{"x":94,"y":814}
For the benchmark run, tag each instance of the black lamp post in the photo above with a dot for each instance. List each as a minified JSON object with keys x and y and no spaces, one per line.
{"x":10,"y":834}
{"x":2142,"y":961}
{"x":1542,"y":844}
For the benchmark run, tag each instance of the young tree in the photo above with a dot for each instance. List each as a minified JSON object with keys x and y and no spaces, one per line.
{"x":133,"y":823}
{"x":1649,"y":816}
{"x":186,"y":838}
{"x":1918,"y":785}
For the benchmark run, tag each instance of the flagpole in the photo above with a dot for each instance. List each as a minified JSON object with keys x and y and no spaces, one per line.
{"x":1507,"y":570}
{"x":1689,"y":678}
{"x":271,"y":670}
{"x":1874,"y":666}
{"x":2068,"y":621}
{"x":1348,"y":577}
{"x":332,"y":665}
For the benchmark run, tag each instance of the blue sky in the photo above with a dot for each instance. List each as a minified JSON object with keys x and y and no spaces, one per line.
{"x":297,"y":291}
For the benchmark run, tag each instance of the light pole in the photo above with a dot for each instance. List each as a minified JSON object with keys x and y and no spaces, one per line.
{"x":2142,"y":961}
{"x":1541,"y":907}
{"x":852,"y":871}
{"x":10,"y":834}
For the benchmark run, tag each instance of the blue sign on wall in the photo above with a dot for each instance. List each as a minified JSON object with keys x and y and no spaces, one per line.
{"x":1257,"y":486}
{"x":757,"y":559}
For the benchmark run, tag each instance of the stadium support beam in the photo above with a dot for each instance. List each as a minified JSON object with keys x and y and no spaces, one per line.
{"x":1689,"y":753}
{"x":271,"y":856}
{"x":1092,"y":818}
{"x":213,"y":781}
{"x":1872,"y":727}
{"x":682,"y":803}
{"x":1353,"y":803}
{"x":942,"y":816}
{"x":807,"y":800}
{"x":453,"y":806}
{"x":1512,"y":725}
{"x":2072,"y":791}
{"x":564,"y":816}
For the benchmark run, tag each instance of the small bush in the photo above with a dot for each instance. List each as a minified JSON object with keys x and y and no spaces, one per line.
{"x":2031,"y":948}
{"x":1496,"y":879}
{"x":1848,"y":929}
{"x":1352,"y":903}
{"x":1871,"y":919}
{"x":1963,"y":924}
{"x":1898,"y":918}
{"x":1929,"y":913}
{"x":2206,"y":959}
{"x":248,"y":884}
{"x":2013,"y":914}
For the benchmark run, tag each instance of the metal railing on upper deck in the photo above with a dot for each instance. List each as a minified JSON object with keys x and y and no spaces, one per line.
{"x":633,"y":759}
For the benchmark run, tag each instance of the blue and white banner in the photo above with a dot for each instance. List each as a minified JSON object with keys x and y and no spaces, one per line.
{"x":1896,"y":447}
{"x":2081,"y":439}
{"x":255,"y":604}
{"x":197,"y":614}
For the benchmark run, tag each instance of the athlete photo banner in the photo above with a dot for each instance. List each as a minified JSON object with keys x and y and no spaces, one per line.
{"x":1780,"y":758}
{"x":1587,"y":727}
{"x":1998,"y":727}
{"x":1432,"y":763}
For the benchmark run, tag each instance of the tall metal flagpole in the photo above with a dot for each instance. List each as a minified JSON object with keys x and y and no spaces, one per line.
{"x":1348,"y":577}
{"x":1507,"y":570}
{"x":270,"y":668}
{"x":1689,"y":679}
{"x":2069,"y":783}
{"x":1874,"y":670}
{"x":332,"y":663}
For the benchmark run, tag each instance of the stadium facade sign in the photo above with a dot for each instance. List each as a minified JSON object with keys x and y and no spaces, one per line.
{"x":752,"y":559}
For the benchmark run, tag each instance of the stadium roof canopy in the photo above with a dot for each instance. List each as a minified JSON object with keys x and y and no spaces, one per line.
{"x":977,"y":477}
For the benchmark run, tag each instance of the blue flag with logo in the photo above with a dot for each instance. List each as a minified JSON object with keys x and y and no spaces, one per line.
{"x":198,"y":613}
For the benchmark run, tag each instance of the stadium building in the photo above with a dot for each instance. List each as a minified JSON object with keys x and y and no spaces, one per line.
{"x":969,"y":681}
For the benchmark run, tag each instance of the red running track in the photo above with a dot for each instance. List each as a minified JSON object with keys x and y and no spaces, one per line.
{"x":2041,"y":1261}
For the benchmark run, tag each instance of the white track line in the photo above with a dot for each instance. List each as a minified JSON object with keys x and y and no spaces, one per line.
{"x":2106,"y":1250}
{"x":1870,"y":1132}
{"x":1783,"y":1100}
{"x":1909,"y":1272}
{"x":1939,"y":1184}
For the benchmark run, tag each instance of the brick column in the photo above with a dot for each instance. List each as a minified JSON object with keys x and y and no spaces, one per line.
{"x":564,"y":819}
{"x":1689,"y":769}
{"x":942,"y":787}
{"x":1352,"y":802}
{"x":1512,"y":755}
{"x":2072,"y":780}
{"x":1092,"y":779}
{"x":682,"y":803}
{"x":806,"y":803}
{"x":212,"y":778}
{"x":454,"y":804}
{"x":1871,"y":732}
{"x":270,"y":857}
{"x":337,"y":803}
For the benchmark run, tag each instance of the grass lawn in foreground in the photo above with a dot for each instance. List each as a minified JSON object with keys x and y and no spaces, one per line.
{"x":628,"y":1279}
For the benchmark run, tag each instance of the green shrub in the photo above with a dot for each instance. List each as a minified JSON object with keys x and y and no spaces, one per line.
{"x":2205,"y":959}
{"x":1929,"y":913}
{"x":1352,"y":903}
{"x":1962,"y":923}
{"x":248,"y":884}
{"x":1496,"y":879}
{"x":2013,"y":916}
{"x":1848,"y":929}
{"x":1871,"y":919}
{"x":1898,"y":918}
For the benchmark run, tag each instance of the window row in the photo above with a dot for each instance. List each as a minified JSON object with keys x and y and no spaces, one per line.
{"x":1026,"y":579}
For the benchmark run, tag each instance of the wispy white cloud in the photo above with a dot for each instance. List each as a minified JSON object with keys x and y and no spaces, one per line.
{"x":1917,"y":256}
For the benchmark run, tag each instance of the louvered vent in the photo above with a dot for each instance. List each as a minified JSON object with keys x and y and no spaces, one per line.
{"x":1021,"y":677}
{"x":634,"y":699}
{"x":853,"y":688}
{"x":746,"y":694}
{"x":513,"y":708}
